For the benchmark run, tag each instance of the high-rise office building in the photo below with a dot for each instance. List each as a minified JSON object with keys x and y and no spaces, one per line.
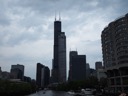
{"x":98,"y":65}
{"x":87,"y":70}
{"x":39,"y":74}
{"x":59,"y":57}
{"x":0,"y":73}
{"x":17,"y":71}
{"x":46,"y":76}
{"x":0,"y":69}
{"x":77,"y":66}
{"x":71,"y":54}
{"x":62,"y":57}
{"x":115,"y":53}
{"x":42,"y":75}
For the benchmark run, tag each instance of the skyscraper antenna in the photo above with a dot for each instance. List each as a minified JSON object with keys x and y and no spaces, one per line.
{"x":59,"y":17}
{"x":55,"y":15}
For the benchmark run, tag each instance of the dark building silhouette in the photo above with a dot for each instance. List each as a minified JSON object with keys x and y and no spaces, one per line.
{"x":17,"y":72}
{"x":46,"y":76}
{"x":27,"y":79}
{"x":77,"y":66}
{"x":39,"y":74}
{"x":59,"y":57}
{"x":71,"y":54}
{"x":115,"y":53}
{"x":0,"y":69}
{"x":87,"y":70}
{"x":93,"y":72}
{"x":98,"y":65}
{"x":42,"y":75}
{"x":5,"y":75}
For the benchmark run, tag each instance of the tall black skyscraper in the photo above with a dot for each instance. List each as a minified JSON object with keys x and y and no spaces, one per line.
{"x":59,"y":57}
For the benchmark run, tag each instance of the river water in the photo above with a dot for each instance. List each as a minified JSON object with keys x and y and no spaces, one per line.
{"x":50,"y":93}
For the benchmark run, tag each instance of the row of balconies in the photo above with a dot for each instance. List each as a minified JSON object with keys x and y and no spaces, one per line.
{"x":115,"y":37}
{"x":118,"y":81}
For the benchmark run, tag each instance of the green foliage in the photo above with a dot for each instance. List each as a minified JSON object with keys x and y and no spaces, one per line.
{"x":91,"y":82}
{"x":8,"y":88}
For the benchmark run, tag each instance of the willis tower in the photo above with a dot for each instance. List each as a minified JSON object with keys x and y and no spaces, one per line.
{"x":59,"y":55}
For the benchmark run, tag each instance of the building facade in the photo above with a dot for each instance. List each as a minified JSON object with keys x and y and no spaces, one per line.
{"x":71,"y":54}
{"x":93,"y":72}
{"x":87,"y":70}
{"x":62,"y":57}
{"x":98,"y":65}
{"x":115,"y":53}
{"x":17,"y":71}
{"x":100,"y":74}
{"x":59,"y":57}
{"x":77,"y":66}
{"x":42,"y":75}
{"x":0,"y":69}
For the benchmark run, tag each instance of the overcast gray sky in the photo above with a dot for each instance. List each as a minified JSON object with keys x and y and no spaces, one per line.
{"x":26,"y":29}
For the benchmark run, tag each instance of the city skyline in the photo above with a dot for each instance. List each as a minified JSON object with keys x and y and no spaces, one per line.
{"x":27,"y":29}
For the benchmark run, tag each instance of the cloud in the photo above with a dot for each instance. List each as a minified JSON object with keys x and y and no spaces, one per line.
{"x":4,"y":20}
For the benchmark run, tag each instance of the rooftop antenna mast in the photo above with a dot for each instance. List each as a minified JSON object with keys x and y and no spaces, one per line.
{"x":59,"y":17}
{"x":55,"y":15}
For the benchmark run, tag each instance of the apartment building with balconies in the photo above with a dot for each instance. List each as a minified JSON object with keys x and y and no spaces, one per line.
{"x":114,"y":39}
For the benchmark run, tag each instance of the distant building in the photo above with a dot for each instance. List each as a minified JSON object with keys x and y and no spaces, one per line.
{"x":17,"y":71}
{"x":87,"y":70}
{"x":93,"y":72}
{"x":77,"y":66}
{"x":16,"y":74}
{"x":42,"y":75}
{"x":0,"y":73}
{"x":101,"y":74}
{"x":39,"y":75}
{"x":46,"y":76}
{"x":115,"y":54}
{"x":98,"y":65}
{"x":27,"y":79}
{"x":100,"y":70}
{"x":5,"y":75}
{"x":0,"y":69}
{"x":71,"y":54}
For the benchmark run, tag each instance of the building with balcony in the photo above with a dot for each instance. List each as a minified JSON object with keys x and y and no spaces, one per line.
{"x":115,"y":53}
